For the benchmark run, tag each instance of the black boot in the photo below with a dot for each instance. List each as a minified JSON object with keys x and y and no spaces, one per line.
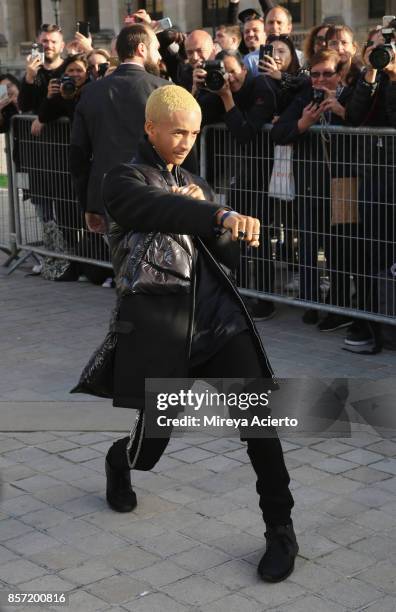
{"x":277,"y":562}
{"x":119,"y":493}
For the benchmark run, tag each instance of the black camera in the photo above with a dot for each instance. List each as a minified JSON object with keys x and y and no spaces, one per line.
{"x":318,"y":96}
{"x":384,"y":54}
{"x":68,"y":86}
{"x":215,"y":75}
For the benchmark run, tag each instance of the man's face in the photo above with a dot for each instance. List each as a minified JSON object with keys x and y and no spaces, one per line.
{"x":53,"y":45}
{"x":174,"y":136}
{"x":153,"y":57}
{"x":277,"y":23}
{"x":236,"y":73}
{"x":199,"y":48}
{"x":225,"y":40}
{"x":253,"y":34}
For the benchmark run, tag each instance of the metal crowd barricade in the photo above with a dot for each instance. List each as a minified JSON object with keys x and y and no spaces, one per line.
{"x":331,"y":247}
{"x":7,"y":218}
{"x":49,"y":221}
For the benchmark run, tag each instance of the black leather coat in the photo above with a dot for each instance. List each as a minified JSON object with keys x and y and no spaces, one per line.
{"x":155,"y":237}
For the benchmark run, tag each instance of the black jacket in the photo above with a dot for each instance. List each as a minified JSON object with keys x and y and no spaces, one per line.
{"x":31,"y":96}
{"x":108,"y":123}
{"x":154,"y":237}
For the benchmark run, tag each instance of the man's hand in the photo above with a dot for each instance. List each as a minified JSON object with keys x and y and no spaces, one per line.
{"x":84,"y":43}
{"x":241,"y":227}
{"x":190,"y":190}
{"x":96,"y":223}
{"x":32,"y":68}
{"x":142,"y":16}
{"x":311,"y":114}
{"x":36,"y":128}
{"x":199,"y":76}
{"x":53,"y":88}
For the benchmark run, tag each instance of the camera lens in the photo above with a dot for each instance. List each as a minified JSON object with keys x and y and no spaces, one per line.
{"x":214,"y":81}
{"x":380,"y":57}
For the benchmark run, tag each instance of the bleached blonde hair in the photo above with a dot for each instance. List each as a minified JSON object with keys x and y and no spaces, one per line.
{"x":168,"y":99}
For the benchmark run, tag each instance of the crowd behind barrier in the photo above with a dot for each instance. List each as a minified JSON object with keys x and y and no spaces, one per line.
{"x":49,"y":222}
{"x":281,"y":141}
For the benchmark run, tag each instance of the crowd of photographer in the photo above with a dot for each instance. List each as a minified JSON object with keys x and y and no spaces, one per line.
{"x":250,"y":74}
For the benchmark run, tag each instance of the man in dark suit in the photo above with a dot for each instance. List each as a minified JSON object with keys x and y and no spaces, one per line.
{"x":109,"y":119}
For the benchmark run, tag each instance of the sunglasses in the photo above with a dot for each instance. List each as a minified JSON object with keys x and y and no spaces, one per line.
{"x":369,"y":43}
{"x":320,"y":39}
{"x":326,"y":74}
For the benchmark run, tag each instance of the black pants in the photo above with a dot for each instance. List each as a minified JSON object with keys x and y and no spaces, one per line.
{"x":237,"y":359}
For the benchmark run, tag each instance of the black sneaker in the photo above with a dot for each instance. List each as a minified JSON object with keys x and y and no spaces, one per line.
{"x":277,"y":562}
{"x":260,"y":310}
{"x":333,"y":322}
{"x":310,"y":317}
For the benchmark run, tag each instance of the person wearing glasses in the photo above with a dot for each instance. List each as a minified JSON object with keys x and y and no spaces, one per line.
{"x":317,"y":159}
{"x":341,"y":38}
{"x":315,"y":41}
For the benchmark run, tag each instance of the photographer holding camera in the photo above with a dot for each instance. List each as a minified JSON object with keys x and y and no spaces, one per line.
{"x":64,"y":93}
{"x":373,"y":103}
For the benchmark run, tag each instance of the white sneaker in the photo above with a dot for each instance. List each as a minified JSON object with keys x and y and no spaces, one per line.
{"x":37,"y":268}
{"x":108,"y":283}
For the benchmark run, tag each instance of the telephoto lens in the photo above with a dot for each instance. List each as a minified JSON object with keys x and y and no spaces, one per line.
{"x":215,"y":75}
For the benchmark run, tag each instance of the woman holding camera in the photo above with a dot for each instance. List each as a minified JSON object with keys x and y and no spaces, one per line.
{"x":64,"y":93}
{"x":373,"y":104}
{"x":61,"y":231}
{"x":319,"y":159}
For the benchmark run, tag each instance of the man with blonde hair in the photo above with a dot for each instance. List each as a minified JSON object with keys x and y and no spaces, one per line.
{"x":179,"y":314}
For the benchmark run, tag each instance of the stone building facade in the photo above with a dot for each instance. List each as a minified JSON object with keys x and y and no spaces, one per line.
{"x":20,"y":19}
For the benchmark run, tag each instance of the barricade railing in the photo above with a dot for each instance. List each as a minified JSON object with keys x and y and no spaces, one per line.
{"x":327,"y":206}
{"x":49,"y":221}
{"x":7,"y":217}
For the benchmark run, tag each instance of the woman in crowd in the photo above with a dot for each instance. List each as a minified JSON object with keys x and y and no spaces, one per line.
{"x":64,"y":94}
{"x":9,"y":101}
{"x":319,"y":158}
{"x":246,"y":103}
{"x":315,"y":41}
{"x":98,"y":63}
{"x":63,"y":232}
{"x":373,"y":104}
{"x":341,"y":38}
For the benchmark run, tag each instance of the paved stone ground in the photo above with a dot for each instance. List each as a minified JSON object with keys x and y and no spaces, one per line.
{"x":195,"y":538}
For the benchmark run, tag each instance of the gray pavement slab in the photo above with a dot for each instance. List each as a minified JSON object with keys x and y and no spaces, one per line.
{"x":196,"y":536}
